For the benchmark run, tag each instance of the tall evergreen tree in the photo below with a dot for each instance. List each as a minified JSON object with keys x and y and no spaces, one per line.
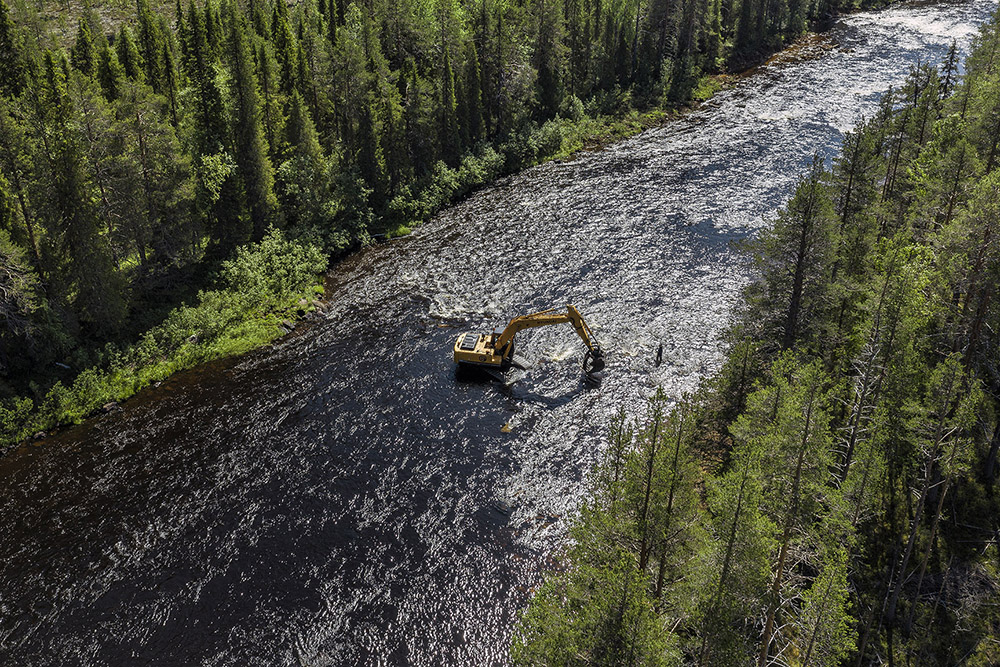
{"x":210,"y":126}
{"x":12,"y":74}
{"x":128,"y":55}
{"x":151,"y":44}
{"x":92,"y":283}
{"x":448,"y":129}
{"x":110,"y":73}
{"x":272,"y":101}
{"x":474,"y":122}
{"x":249,"y":146}
{"x":83,"y":55}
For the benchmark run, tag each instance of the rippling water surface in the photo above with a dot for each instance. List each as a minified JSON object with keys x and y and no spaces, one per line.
{"x":341,"y":499}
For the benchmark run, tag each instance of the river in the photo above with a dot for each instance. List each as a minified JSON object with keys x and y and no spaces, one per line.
{"x":341,"y":498}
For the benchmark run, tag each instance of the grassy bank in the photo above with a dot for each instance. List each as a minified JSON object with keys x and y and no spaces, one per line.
{"x":258,"y":295}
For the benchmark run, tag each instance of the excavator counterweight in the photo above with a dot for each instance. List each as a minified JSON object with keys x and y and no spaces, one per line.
{"x":496,"y":351}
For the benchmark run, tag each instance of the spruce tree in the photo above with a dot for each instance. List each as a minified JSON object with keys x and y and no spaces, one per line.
{"x":12,"y":73}
{"x":210,"y":125}
{"x":213,"y":28}
{"x":128,"y":55}
{"x":250,"y":149}
{"x":285,"y":48}
{"x":473,"y":95}
{"x":304,"y":179}
{"x":448,"y":130}
{"x":83,"y":55}
{"x":151,"y":43}
{"x":272,"y":102}
{"x":110,"y":73}
{"x":171,"y":83}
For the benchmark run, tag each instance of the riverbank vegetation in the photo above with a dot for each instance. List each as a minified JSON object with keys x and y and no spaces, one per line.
{"x":140,"y":150}
{"x":829,"y":496}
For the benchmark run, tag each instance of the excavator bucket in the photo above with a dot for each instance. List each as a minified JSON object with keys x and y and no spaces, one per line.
{"x":593,"y":361}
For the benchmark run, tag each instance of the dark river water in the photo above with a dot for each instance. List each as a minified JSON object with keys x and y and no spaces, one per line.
{"x":341,"y":498}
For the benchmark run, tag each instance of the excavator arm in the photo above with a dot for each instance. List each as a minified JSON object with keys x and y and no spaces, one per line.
{"x":545,"y":318}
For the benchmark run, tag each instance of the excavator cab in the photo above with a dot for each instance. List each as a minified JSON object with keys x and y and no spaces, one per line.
{"x":495,"y":352}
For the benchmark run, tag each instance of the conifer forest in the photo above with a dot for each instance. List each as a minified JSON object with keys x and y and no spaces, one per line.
{"x":189,"y":182}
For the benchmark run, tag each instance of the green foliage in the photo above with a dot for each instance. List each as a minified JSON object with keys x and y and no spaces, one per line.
{"x":273,"y":270}
{"x":171,"y":143}
{"x":83,"y":55}
{"x":12,"y":75}
{"x":260,"y":288}
{"x":642,"y":520}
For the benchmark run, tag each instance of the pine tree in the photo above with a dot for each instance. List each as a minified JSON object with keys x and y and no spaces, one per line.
{"x":825,"y":622}
{"x":95,"y":121}
{"x":804,"y":237}
{"x":153,"y":175}
{"x":71,"y":219}
{"x":744,"y":538}
{"x":16,"y":164}
{"x":18,"y":296}
{"x":789,"y":423}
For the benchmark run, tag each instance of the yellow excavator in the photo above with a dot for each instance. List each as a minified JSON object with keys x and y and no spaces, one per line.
{"x":495,"y":352}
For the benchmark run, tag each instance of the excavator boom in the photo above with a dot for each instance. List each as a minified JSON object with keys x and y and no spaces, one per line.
{"x":497,"y":351}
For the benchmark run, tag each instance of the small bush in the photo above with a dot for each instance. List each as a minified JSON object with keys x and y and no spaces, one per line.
{"x":273,"y":269}
{"x":519,"y":151}
{"x":572,"y":109}
{"x":548,"y":138}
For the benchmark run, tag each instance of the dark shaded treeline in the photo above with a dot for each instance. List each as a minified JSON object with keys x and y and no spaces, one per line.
{"x":137,"y":159}
{"x":829,"y":497}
